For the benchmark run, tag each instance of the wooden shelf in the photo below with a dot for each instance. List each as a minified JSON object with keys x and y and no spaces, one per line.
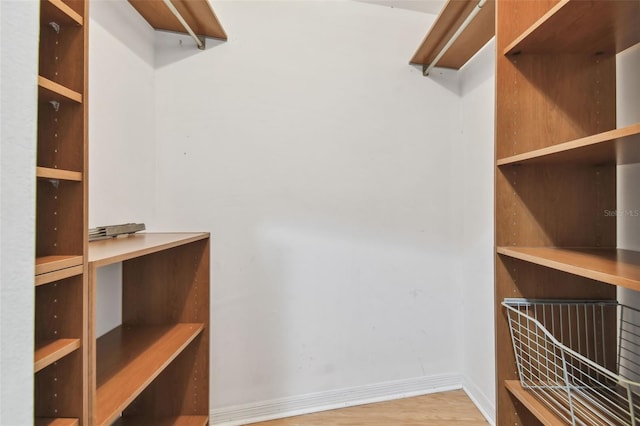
{"x":46,"y":421}
{"x":612,"y":266}
{"x":619,"y":146}
{"x":537,"y":408}
{"x":198,"y":14}
{"x":49,"y":173}
{"x":575,"y":26}
{"x":107,"y":252}
{"x":50,"y":277}
{"x":52,"y":91}
{"x":472,"y":39}
{"x":170,"y":421}
{"x":129,"y":358}
{"x":60,"y":12}
{"x":53,"y":350}
{"x":46,"y":264}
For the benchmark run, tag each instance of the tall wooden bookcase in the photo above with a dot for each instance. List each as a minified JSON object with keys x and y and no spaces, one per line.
{"x":557,"y":147}
{"x":61,"y":216}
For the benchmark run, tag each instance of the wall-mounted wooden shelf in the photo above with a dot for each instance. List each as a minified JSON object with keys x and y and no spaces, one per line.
{"x":538,"y":409}
{"x":575,"y":26}
{"x":51,"y":351}
{"x":472,"y":39}
{"x":42,"y":421}
{"x":61,"y":174}
{"x":58,"y":11}
{"x":612,"y":266}
{"x":169,"y":421}
{"x":197,"y":13}
{"x":618,"y":146}
{"x":52,"y":91}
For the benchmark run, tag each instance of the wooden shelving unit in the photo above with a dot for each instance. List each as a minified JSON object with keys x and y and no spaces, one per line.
{"x":60,"y":358}
{"x":154,"y":368}
{"x":557,"y":148}
{"x":197,"y":13}
{"x":472,"y":39}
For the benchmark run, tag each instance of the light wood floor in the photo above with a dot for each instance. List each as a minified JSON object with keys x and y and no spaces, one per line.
{"x":446,"y":408}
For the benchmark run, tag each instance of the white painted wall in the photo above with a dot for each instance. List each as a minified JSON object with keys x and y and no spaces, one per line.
{"x":474,"y":167}
{"x":19,"y":31}
{"x":319,"y":160}
{"x":628,"y":196}
{"x":121,"y":134}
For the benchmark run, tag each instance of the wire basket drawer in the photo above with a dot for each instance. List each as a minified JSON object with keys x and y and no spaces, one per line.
{"x":580,"y":358}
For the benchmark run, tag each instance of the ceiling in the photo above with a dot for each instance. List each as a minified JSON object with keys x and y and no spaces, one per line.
{"x":427,"y":6}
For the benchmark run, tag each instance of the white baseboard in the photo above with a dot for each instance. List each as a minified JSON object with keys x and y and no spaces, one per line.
{"x":486,"y":406}
{"x":311,"y":403}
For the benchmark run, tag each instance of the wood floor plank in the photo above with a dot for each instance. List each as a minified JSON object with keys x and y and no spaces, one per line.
{"x":445,"y":408}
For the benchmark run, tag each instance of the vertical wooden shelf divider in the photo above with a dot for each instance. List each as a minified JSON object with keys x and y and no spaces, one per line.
{"x":557,"y":148}
{"x":60,"y":359}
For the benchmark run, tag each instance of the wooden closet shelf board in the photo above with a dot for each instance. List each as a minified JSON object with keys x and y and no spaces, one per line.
{"x":612,"y":266}
{"x":53,"y":350}
{"x":576,"y":26}
{"x":537,"y":408}
{"x":198,"y":14}
{"x":46,"y":264}
{"x":52,"y":91}
{"x":170,"y":421}
{"x":129,"y":358}
{"x":46,"y":421}
{"x":470,"y":41}
{"x":61,"y":274}
{"x":49,"y":173}
{"x":618,"y":146}
{"x":107,"y":252}
{"x":59,"y":12}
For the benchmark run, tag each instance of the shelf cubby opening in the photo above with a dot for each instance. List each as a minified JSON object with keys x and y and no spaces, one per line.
{"x":59,"y":310}
{"x":58,"y":389}
{"x":547,"y":205}
{"x":558,"y":106}
{"x":62,"y":50}
{"x":167,"y":421}
{"x":59,"y":218}
{"x":60,"y":135}
{"x":128,"y":360}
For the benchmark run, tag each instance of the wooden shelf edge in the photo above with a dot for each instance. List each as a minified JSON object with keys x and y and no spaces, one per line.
{"x":537,"y":408}
{"x":513,"y":46}
{"x":169,"y":421}
{"x":48,"y":352}
{"x":64,"y":10}
{"x":57,"y":90}
{"x":613,"y":154}
{"x":613,"y":25}
{"x":115,"y":250}
{"x":49,"y":173}
{"x":61,"y":274}
{"x":50,"y":421}
{"x":611,"y":266}
{"x":470,"y":41}
{"x":46,"y":264}
{"x":197,"y":13}
{"x":130,"y":358}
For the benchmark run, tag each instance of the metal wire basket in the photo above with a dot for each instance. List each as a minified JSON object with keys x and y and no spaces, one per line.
{"x":580,"y":358}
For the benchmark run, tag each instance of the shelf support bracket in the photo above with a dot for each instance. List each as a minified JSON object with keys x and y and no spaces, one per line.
{"x":427,"y":69}
{"x":200,"y":41}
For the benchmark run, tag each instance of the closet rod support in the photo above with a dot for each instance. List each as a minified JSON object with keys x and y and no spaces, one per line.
{"x":200,"y":41}
{"x":465,"y":24}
